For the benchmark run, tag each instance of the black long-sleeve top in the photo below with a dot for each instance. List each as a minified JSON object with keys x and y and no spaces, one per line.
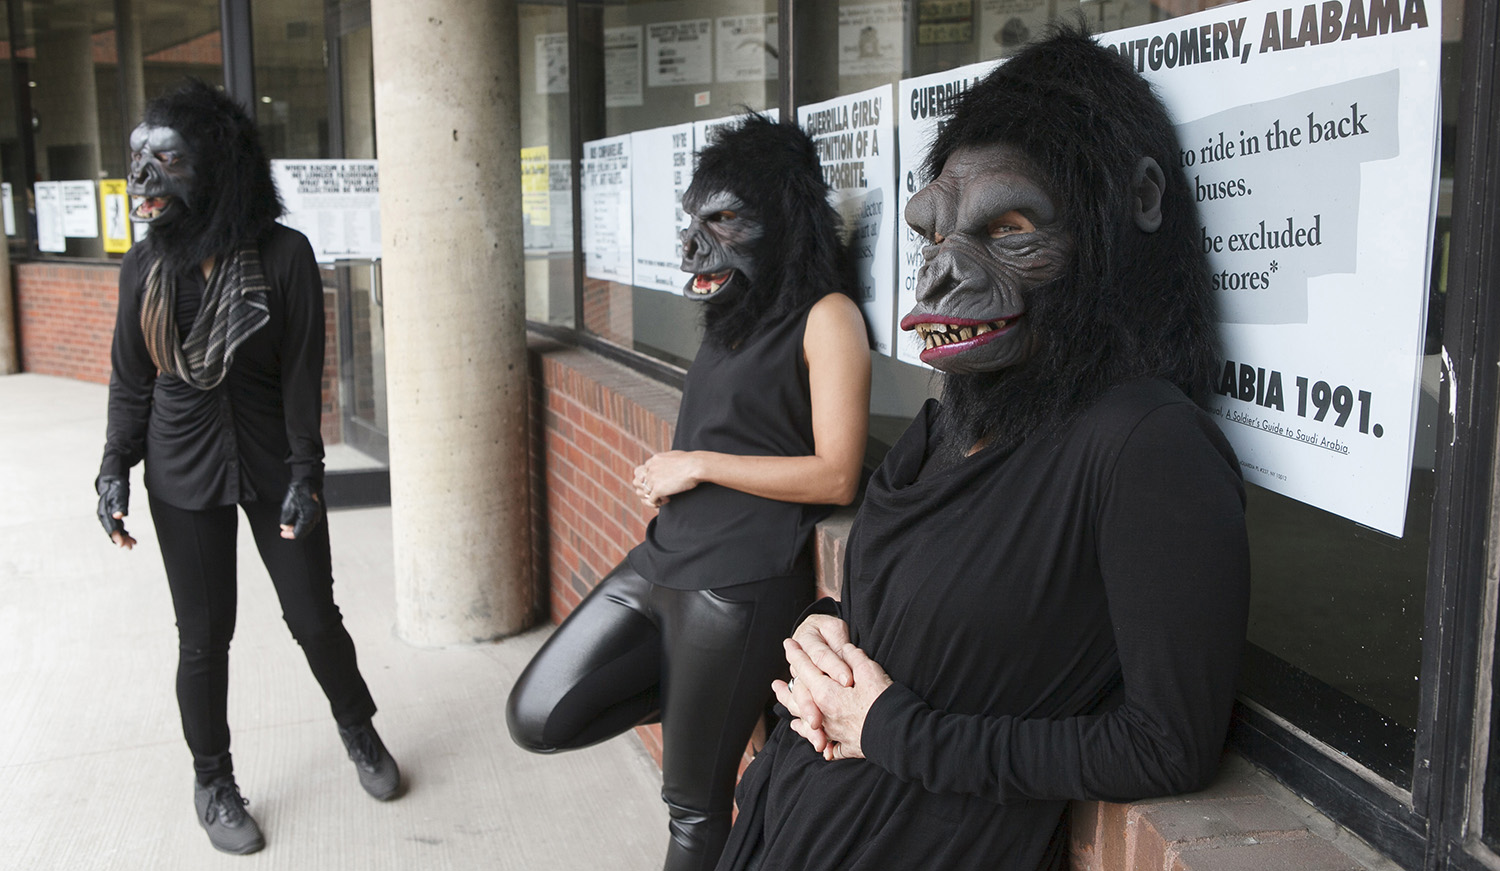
{"x":248,"y":438}
{"x":1061,"y":623}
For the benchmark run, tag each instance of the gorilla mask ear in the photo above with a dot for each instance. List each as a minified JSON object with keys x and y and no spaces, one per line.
{"x":1146,"y":190}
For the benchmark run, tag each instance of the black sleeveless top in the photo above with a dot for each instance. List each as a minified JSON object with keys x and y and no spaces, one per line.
{"x":753,"y":400}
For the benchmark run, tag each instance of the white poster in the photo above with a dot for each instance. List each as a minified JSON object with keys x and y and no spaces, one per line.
{"x":9,"y":206}
{"x":679,"y":53}
{"x":622,"y":66}
{"x":705,"y":133}
{"x":870,"y":39}
{"x":661,"y":167}
{"x":1309,"y":140}
{"x":334,"y":203}
{"x":923,"y":102}
{"x":1007,"y":25}
{"x":745,"y":48}
{"x":49,"y":217}
{"x":855,"y":137}
{"x":607,"y":217}
{"x":536,"y":195}
{"x":80,"y":209}
{"x":557,"y":234}
{"x":551,"y":63}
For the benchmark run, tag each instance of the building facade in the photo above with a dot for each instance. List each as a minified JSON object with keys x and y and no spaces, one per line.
{"x":1369,"y":677}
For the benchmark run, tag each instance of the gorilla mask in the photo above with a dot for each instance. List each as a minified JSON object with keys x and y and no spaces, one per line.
{"x":1062,"y":258}
{"x":993,"y":236}
{"x":205,"y":185}
{"x":719,"y":243}
{"x":762,"y":240}
{"x":161,"y":174}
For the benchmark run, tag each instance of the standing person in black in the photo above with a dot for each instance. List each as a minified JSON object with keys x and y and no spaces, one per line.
{"x":1048,"y":580}
{"x":217,"y":385}
{"x":771,"y":431}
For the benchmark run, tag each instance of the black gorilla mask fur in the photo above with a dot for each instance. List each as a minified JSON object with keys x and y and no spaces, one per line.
{"x":197,"y":162}
{"x":763,"y":240}
{"x":1062,"y":258}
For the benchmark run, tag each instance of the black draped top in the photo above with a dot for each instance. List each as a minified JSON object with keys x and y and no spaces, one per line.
{"x":753,"y":400}
{"x":1064,"y":622}
{"x":248,"y":438}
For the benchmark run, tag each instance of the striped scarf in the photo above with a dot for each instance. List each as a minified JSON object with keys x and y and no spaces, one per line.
{"x":234,"y":306}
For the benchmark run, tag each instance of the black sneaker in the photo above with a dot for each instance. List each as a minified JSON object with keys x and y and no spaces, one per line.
{"x":378,"y":773}
{"x":221,"y":813}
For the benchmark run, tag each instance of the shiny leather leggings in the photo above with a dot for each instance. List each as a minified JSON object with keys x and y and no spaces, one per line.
{"x":699,"y":662}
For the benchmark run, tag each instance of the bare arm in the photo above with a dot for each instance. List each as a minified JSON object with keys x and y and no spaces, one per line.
{"x":838,"y":365}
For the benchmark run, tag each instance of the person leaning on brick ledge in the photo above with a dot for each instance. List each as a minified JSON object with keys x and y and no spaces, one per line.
{"x":1048,"y":578}
{"x":216,"y":382}
{"x":770,"y":432}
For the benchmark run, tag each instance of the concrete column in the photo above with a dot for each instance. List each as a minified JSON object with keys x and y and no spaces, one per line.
{"x":132,"y":63}
{"x":446,"y":124}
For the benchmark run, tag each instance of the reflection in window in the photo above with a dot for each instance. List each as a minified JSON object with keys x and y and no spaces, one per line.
{"x":78,"y":62}
{"x":291,"y":79}
{"x":659,"y":76}
{"x":546,"y":165}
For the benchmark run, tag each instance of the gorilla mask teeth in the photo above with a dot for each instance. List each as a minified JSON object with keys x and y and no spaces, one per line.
{"x":707,"y":283}
{"x":150,"y":208}
{"x":936,"y":335}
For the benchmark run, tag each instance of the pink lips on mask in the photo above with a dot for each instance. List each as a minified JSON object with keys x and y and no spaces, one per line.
{"x":948,"y":337}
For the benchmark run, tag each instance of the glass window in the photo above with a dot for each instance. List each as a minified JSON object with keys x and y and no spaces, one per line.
{"x":362,"y":440}
{"x":657,"y":75}
{"x":72,"y":67}
{"x":175,"y":41}
{"x":291,"y":78}
{"x":87,"y":76}
{"x":15,"y":193}
{"x":546,"y":161}
{"x":1337,"y":615}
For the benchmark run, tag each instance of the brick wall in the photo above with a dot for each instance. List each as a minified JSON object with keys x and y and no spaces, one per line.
{"x":66,"y":319}
{"x":596,"y":420}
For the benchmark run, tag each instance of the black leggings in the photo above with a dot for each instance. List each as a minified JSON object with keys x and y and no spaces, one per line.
{"x":198,"y":549}
{"x":700,"y":662}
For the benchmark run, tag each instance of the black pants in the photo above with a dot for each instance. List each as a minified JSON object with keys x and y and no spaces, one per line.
{"x":198,"y":548}
{"x":701,"y":662}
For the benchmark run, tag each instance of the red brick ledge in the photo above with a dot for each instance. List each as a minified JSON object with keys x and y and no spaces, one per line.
{"x":598,"y":417}
{"x":1245,"y":821}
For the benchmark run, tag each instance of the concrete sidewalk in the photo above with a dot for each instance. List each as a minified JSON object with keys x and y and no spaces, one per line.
{"x":93,"y":770}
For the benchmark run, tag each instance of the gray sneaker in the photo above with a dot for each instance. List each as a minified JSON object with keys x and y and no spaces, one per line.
{"x":377,"y":769}
{"x":221,"y":813}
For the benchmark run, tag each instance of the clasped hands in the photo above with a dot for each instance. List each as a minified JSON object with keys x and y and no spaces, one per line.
{"x":833,"y":686}
{"x":665,"y":474}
